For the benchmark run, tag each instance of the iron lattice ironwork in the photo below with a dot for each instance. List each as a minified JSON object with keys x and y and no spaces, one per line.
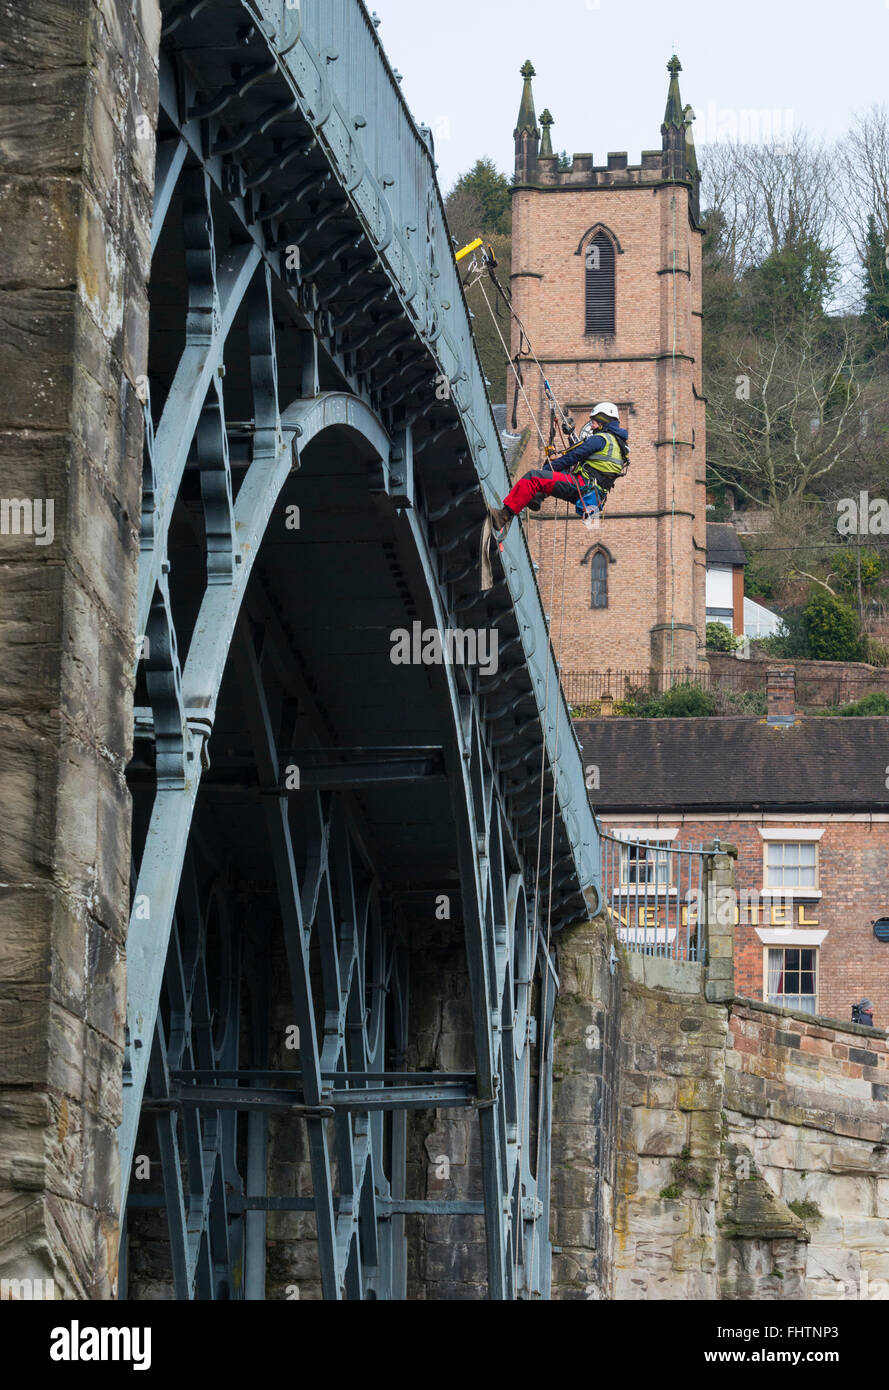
{"x":296,"y":332}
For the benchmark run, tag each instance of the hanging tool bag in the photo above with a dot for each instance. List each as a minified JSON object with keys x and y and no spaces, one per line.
{"x":592,"y":501}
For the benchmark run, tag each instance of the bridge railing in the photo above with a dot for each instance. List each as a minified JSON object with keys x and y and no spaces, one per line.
{"x":655,"y":894}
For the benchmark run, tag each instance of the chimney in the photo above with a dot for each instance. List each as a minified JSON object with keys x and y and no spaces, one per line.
{"x":781,"y":696}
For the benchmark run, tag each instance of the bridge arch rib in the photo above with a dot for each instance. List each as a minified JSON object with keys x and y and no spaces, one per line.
{"x":289,"y":778}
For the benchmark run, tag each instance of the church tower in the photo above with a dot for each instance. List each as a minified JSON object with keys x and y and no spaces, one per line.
{"x":606,"y":277}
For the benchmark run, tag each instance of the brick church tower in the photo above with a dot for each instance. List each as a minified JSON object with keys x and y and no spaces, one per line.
{"x":606,"y":277}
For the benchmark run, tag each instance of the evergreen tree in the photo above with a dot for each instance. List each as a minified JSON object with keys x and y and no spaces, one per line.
{"x":791,"y":284}
{"x":832,"y":630}
{"x":875,"y":275}
{"x":489,"y":189}
{"x":721,"y":291}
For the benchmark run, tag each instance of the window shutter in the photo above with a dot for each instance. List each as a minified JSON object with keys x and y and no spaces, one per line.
{"x":599,"y":262}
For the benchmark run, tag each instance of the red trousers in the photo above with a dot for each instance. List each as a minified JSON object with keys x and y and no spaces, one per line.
{"x":542,"y":481}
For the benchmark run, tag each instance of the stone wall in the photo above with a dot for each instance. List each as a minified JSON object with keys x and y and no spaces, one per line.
{"x":673,"y":1062}
{"x":77,"y":141}
{"x":709,"y":1148}
{"x":819,"y":684}
{"x":807,"y":1108}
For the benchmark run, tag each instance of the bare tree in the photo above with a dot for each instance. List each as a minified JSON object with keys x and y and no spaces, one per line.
{"x":465,"y":216}
{"x":789,"y":416}
{"x":862,"y":187}
{"x":792,"y":187}
{"x":770,"y":196}
{"x":725,"y":193}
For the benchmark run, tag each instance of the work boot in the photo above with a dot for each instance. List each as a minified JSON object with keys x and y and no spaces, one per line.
{"x":501,"y":517}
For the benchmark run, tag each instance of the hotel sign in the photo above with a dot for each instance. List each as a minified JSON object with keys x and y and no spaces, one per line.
{"x":752,"y":913}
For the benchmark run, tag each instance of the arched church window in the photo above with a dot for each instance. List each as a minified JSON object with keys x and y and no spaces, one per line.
{"x":599,"y":581}
{"x":599,"y":273}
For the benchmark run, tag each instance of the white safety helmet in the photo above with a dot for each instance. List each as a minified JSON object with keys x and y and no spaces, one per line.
{"x":607,"y":409}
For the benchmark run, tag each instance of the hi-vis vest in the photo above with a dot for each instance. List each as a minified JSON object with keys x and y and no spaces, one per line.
{"x":608,"y":460}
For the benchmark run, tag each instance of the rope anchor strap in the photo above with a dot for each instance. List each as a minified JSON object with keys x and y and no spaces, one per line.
{"x":486,"y":577}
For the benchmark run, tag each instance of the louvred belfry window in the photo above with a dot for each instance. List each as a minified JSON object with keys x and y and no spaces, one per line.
{"x":599,"y":273}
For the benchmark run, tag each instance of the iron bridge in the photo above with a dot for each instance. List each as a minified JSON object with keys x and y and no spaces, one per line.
{"x":319,"y":453}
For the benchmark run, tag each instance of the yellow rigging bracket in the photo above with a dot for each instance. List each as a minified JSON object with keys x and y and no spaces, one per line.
{"x":487,"y":255}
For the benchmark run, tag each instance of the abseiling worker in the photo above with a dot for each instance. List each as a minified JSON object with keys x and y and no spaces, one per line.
{"x":589,"y":470}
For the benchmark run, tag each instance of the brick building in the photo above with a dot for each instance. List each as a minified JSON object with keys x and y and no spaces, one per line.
{"x":606,"y":277}
{"x":805,"y":801}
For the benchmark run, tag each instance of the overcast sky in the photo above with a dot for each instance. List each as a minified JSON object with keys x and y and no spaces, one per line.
{"x":601,"y":68}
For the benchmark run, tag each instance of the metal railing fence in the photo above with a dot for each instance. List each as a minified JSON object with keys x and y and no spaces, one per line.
{"x":814,"y":690}
{"x":655,"y":892}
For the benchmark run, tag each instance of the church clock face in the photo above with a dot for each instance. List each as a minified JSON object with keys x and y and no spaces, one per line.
{"x":589,"y":428}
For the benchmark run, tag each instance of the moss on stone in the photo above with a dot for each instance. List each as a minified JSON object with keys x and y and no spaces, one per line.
{"x":805,"y":1209}
{"x":686,"y":1176}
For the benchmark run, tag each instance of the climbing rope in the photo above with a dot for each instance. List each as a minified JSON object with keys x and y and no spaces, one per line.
{"x":519,"y":382}
{"x":588,"y":515}
{"x":535,"y":932}
{"x":566,"y":425}
{"x":673,"y":449}
{"x":549,"y":911}
{"x":559,"y":422}
{"x":536,"y":926}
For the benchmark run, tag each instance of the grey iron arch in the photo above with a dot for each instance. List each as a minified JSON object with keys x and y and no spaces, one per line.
{"x":187,"y":698}
{"x":501,"y":954}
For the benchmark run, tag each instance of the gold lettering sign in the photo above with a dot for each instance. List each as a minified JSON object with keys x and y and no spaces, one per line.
{"x":754,"y":914}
